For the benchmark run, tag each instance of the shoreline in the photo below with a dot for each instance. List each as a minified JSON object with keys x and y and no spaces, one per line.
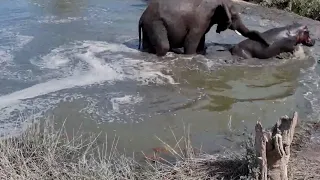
{"x":310,"y":9}
{"x":43,"y":152}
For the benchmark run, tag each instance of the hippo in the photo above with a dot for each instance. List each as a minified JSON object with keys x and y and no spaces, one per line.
{"x":281,"y":39}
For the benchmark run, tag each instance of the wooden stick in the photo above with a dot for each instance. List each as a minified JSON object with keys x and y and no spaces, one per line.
{"x":273,"y":148}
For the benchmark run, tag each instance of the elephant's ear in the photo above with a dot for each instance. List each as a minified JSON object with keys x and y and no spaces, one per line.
{"x":224,"y":18}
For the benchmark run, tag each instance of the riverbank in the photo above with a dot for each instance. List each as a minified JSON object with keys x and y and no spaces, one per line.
{"x":306,"y":8}
{"x":43,"y":152}
{"x":50,"y":154}
{"x":305,"y":152}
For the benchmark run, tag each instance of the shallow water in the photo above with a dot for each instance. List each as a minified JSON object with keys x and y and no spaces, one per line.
{"x":78,"y":60}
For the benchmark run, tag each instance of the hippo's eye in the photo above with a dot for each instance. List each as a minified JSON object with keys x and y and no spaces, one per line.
{"x":305,"y":33}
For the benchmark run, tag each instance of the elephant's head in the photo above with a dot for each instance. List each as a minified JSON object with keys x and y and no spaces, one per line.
{"x":226,"y":16}
{"x":222,"y":17}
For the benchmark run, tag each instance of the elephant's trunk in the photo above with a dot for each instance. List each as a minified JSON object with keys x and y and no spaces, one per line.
{"x":139,"y":29}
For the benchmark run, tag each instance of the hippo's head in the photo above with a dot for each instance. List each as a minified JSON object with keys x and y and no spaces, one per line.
{"x":304,"y":38}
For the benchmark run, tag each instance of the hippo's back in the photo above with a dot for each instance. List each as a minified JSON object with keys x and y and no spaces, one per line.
{"x":276,"y":34}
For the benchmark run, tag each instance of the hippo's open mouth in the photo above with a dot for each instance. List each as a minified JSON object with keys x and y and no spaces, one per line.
{"x":309,"y":42}
{"x":305,"y":39}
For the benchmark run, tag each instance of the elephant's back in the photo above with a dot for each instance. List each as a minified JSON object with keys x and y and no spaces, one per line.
{"x":176,"y":12}
{"x":176,"y":6}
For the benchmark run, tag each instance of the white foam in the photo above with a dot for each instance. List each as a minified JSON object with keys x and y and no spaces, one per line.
{"x":5,"y":56}
{"x":101,"y":59}
{"x":56,"y":85}
{"x":82,"y":64}
{"x":22,"y":40}
{"x":119,"y":108}
{"x":125,"y":100}
{"x":299,"y":53}
{"x":11,"y":43}
{"x":15,"y":117}
{"x":56,"y":20}
{"x":311,"y":83}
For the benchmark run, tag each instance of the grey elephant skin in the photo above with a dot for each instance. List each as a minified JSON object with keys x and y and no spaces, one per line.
{"x":281,"y":39}
{"x":170,"y":24}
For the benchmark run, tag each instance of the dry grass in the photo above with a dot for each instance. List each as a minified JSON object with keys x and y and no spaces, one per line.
{"x":305,"y":158}
{"x":190,"y":164}
{"x":42,"y":152}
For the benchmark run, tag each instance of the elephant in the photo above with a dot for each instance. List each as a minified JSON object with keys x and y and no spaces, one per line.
{"x":170,"y":24}
{"x":281,"y":39}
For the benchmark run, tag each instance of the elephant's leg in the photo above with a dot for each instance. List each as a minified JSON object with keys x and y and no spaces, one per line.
{"x":192,"y":41}
{"x":201,"y":49}
{"x":175,"y":50}
{"x":159,"y":38}
{"x":146,"y":44}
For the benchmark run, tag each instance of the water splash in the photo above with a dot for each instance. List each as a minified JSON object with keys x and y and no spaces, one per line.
{"x":310,"y":81}
{"x":81,"y":65}
{"x":11,"y":42}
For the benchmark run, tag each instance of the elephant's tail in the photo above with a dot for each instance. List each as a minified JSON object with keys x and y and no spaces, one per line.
{"x":139,"y":29}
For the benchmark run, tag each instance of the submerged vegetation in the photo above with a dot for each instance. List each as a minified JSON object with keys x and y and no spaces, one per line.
{"x":307,"y":8}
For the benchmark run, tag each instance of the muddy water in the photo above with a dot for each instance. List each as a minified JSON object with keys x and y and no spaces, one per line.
{"x":78,"y":60}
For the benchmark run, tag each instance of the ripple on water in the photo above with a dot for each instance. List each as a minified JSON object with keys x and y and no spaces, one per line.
{"x":57,"y":20}
{"x":12,"y":75}
{"x":311,"y":81}
{"x":10,"y":42}
{"x":70,"y":69}
{"x":119,"y":108}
